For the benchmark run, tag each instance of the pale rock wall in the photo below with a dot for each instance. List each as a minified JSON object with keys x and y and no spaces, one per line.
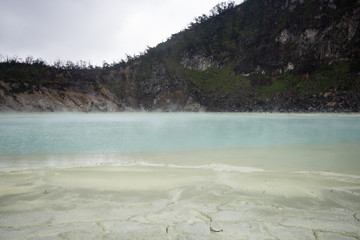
{"x":53,"y":100}
{"x":198,"y":61}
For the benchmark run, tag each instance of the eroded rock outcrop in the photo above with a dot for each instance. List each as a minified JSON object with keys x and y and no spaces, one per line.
{"x":199,"y":61}
{"x":51,"y":99}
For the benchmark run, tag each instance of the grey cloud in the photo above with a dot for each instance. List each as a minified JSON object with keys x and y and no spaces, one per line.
{"x":93,"y":30}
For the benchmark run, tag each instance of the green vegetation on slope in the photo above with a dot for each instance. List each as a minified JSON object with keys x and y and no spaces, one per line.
{"x":338,"y":76}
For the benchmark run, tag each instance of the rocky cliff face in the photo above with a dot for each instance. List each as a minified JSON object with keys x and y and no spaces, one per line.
{"x":54,"y":99}
{"x":262,"y":55}
{"x":267,"y":55}
{"x":199,"y":62}
{"x":162,"y":91}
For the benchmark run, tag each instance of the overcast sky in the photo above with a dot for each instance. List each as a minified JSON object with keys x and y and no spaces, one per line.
{"x":92,"y":30}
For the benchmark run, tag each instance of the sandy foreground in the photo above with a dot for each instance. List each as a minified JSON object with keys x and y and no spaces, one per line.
{"x":168,"y":202}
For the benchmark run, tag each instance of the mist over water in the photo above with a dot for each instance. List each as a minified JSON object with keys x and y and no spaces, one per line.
{"x":138,"y":132}
{"x":94,"y":137}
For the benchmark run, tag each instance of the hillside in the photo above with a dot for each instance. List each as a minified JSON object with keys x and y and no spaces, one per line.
{"x":262,"y":55}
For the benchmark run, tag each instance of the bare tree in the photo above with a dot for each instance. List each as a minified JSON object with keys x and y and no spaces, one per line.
{"x":29,"y":60}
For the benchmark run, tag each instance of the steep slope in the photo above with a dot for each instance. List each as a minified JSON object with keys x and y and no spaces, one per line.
{"x":262,"y":55}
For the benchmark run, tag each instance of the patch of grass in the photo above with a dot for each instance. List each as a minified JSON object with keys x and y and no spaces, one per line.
{"x":330,"y":77}
{"x":224,"y":79}
{"x":279,"y":85}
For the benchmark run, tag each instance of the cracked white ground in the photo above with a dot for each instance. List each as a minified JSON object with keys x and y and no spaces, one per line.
{"x":157,"y":201}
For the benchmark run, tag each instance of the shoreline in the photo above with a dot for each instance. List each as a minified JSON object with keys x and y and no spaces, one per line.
{"x":278,"y":158}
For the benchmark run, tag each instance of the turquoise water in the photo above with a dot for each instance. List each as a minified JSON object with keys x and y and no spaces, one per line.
{"x":138,"y":132}
{"x":99,"y":133}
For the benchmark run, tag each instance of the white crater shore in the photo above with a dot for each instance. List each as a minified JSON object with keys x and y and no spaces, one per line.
{"x":156,"y":202}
